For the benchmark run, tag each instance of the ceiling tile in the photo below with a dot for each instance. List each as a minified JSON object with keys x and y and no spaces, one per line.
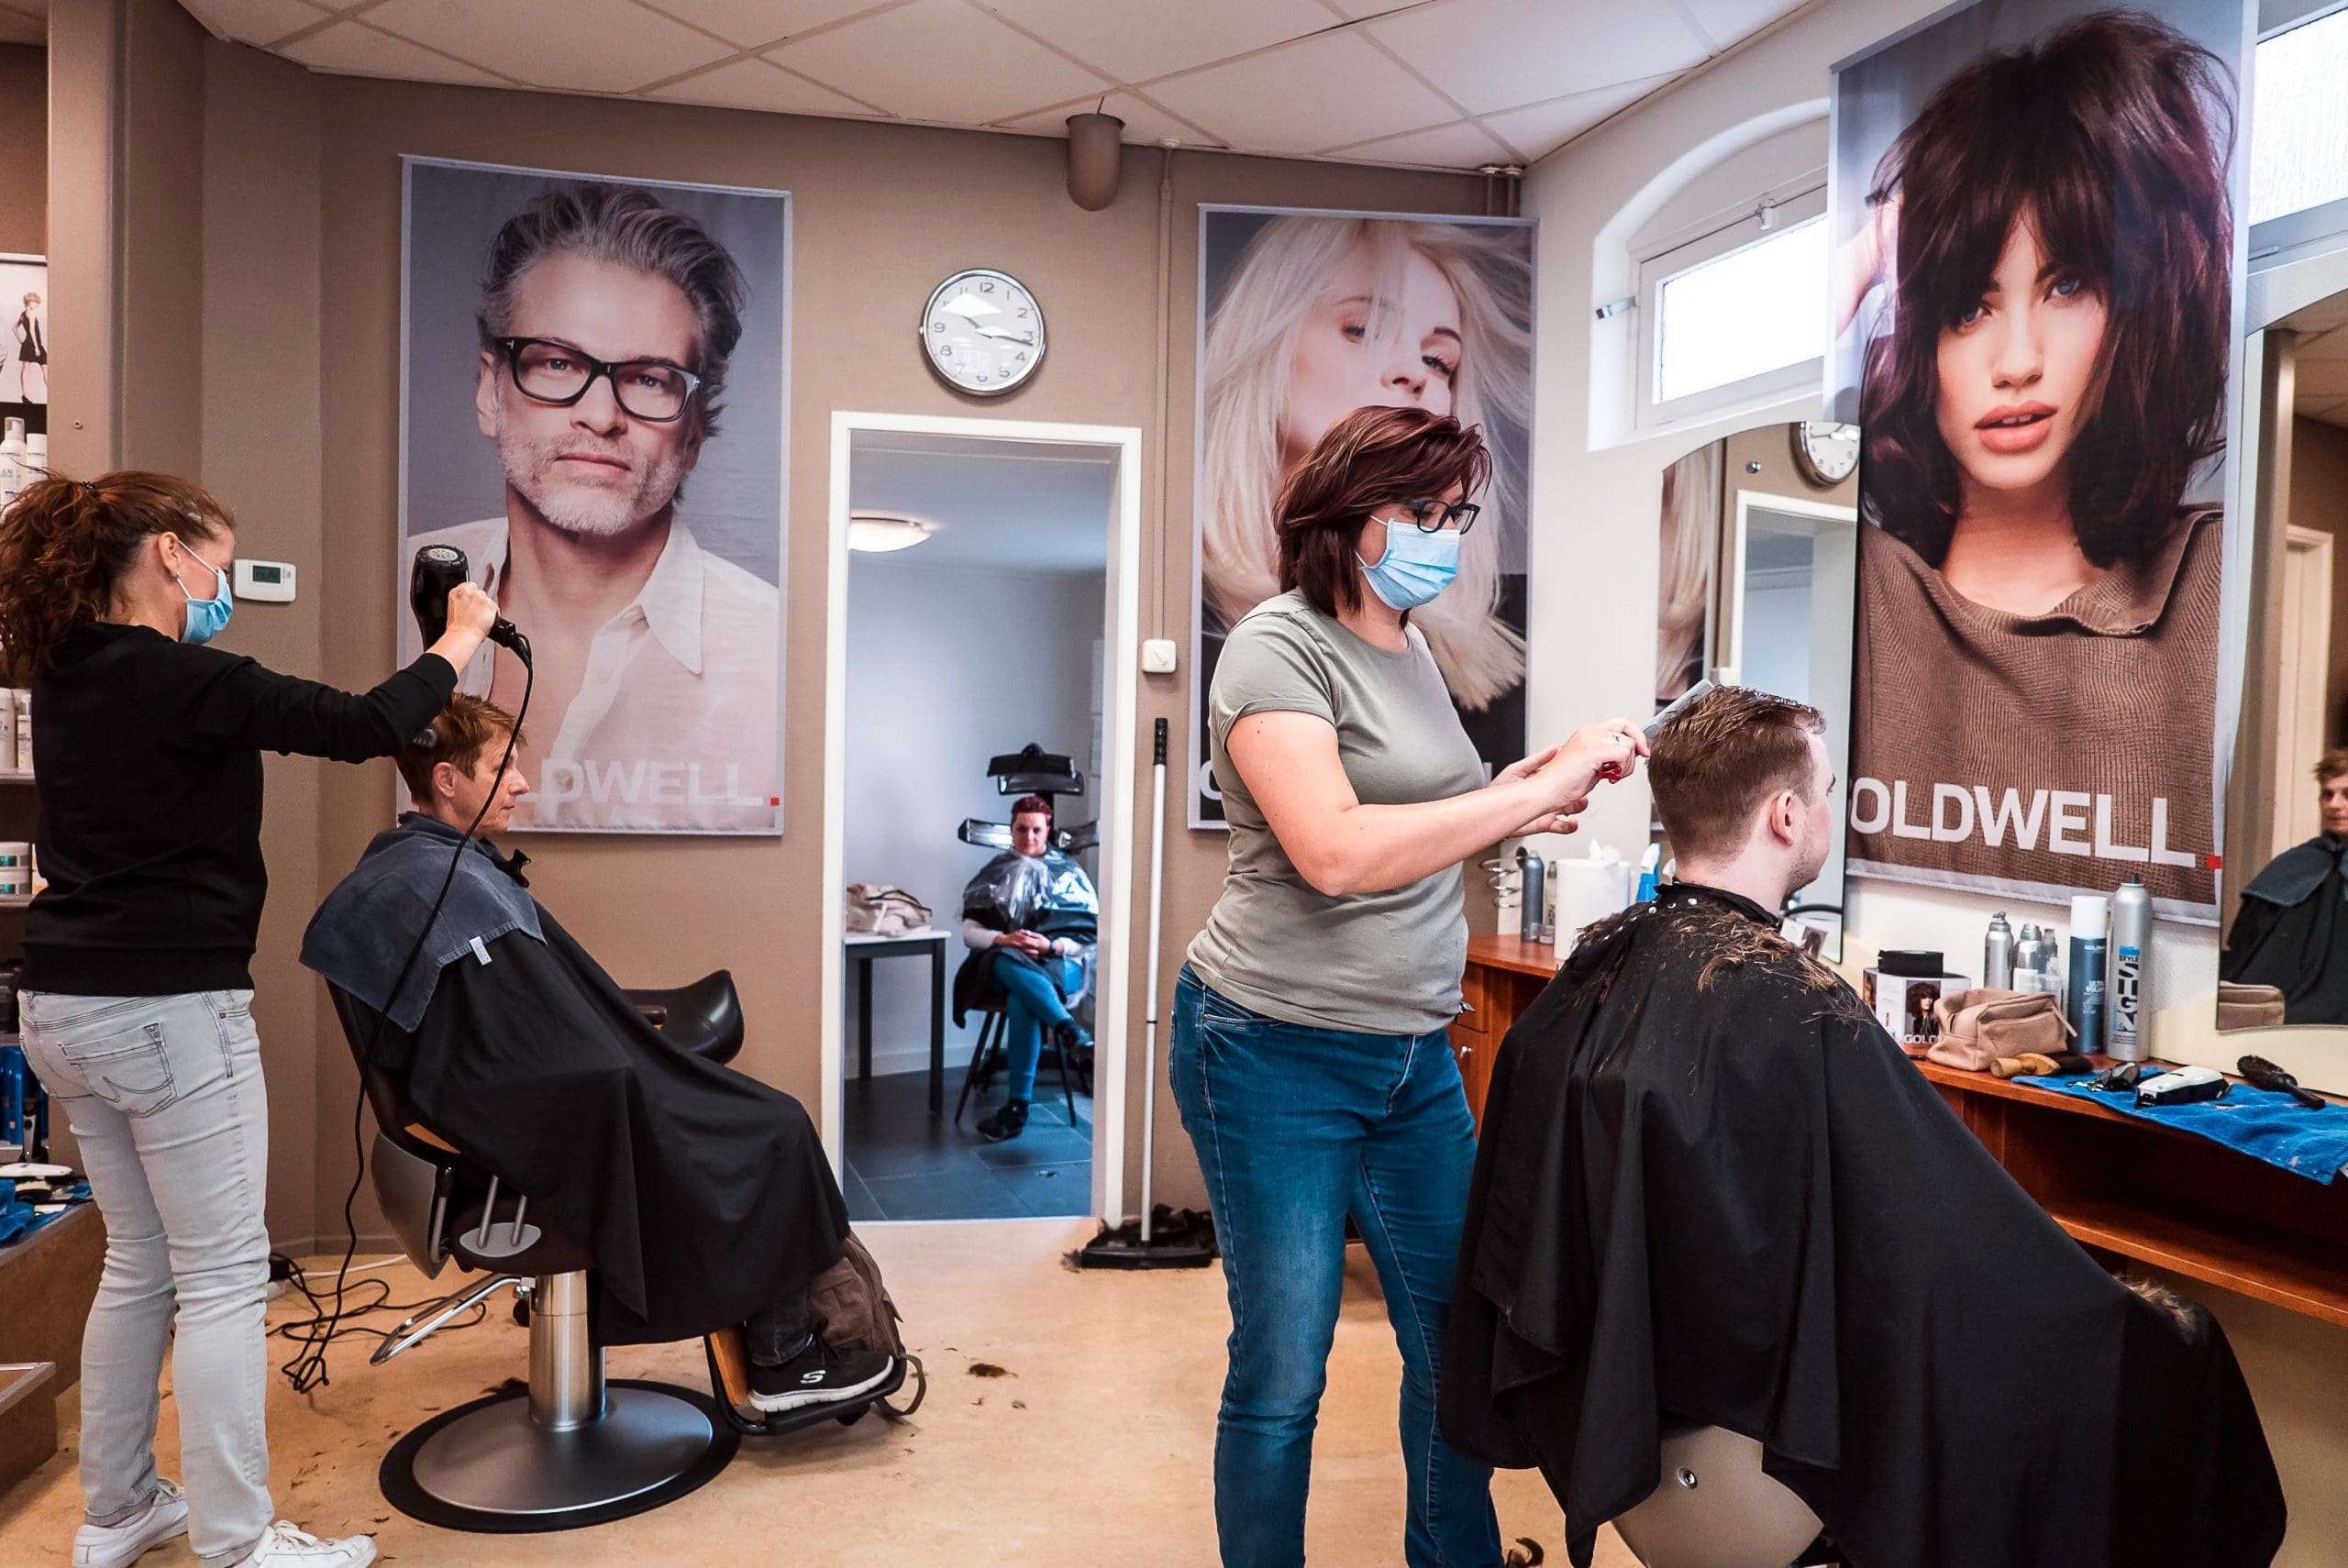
{"x":752,"y":24}
{"x":1496,"y":54}
{"x":1329,"y":91}
{"x":1539,"y":129}
{"x":1463,"y":145}
{"x":1732,"y":21}
{"x":1135,"y":40}
{"x":939,"y":59}
{"x":252,"y":21}
{"x":753,"y":84}
{"x":353,"y":48}
{"x":586,"y":46}
{"x":1145,"y":124}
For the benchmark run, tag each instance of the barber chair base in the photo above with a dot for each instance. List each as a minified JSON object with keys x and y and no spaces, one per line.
{"x":487,"y":1467}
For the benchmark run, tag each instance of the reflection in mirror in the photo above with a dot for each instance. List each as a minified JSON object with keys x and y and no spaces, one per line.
{"x":1758,"y":585}
{"x":2286,"y":956}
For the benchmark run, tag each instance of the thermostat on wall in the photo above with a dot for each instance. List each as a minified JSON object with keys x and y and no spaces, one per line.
{"x":272,"y":582}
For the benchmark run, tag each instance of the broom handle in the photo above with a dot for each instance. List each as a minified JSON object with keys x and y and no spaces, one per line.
{"x":1149,"y":1003}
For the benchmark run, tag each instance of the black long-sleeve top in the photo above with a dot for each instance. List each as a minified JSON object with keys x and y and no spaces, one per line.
{"x":146,"y":762}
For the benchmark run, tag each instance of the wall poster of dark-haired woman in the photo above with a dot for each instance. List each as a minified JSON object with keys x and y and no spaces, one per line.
{"x":2035,"y":213}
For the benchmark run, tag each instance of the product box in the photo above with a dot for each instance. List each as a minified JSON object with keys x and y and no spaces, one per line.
{"x":1903,"y":1004}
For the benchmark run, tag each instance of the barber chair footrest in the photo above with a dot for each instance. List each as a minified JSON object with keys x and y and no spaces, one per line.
{"x":488,"y":1468}
{"x":751,"y":1422}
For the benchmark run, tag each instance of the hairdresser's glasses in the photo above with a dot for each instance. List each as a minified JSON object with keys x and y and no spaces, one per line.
{"x":1435,"y":516}
{"x":556,"y":373}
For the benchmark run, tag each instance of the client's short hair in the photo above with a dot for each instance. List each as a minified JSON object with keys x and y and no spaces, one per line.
{"x":2331,"y":764}
{"x":1034,"y":806}
{"x":1720,"y":758}
{"x":459,"y":734}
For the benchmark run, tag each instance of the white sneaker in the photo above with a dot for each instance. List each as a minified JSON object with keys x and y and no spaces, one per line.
{"x":127,"y":1540}
{"x":282,"y":1546}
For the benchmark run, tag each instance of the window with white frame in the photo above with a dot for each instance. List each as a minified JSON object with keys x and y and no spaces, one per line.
{"x":2298,"y":136}
{"x":1736,"y":315}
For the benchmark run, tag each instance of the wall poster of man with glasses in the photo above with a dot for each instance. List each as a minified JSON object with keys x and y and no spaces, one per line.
{"x":576,"y":351}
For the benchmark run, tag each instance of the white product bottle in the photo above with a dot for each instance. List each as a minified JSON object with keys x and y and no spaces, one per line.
{"x":36,"y":457}
{"x":15,"y":459}
{"x":23,"y":702}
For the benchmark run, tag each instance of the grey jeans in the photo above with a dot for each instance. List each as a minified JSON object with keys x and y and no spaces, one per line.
{"x":164,"y":1094}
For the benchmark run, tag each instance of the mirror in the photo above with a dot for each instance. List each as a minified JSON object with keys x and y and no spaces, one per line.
{"x":1758,"y":587}
{"x":2285,"y":958}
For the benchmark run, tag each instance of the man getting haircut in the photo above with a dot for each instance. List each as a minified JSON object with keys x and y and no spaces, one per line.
{"x":1712,"y":1190}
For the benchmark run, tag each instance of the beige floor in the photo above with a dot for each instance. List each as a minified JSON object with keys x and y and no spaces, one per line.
{"x":1094,"y":1451}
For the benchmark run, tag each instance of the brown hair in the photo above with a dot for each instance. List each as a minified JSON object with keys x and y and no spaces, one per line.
{"x":460,"y":733}
{"x":1369,"y":459}
{"x":2110,"y":138}
{"x":1033,"y":805}
{"x":2331,"y":764}
{"x":1724,"y":755}
{"x":65,"y":544}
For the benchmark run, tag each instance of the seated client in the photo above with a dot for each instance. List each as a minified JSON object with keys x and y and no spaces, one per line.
{"x":2292,"y":930}
{"x":1030,"y":917}
{"x":1711,"y":1190}
{"x":703,"y":1194}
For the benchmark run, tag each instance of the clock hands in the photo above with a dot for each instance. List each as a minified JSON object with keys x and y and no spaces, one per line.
{"x":1027,"y":338}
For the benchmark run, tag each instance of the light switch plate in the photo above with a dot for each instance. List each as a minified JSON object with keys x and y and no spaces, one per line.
{"x":1158,"y":657}
{"x":269,"y":583}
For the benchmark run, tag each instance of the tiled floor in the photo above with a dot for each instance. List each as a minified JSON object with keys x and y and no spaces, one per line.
{"x":904,"y":1164}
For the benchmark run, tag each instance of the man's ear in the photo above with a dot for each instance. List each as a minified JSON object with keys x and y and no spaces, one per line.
{"x":485,"y":394}
{"x":444,"y":780}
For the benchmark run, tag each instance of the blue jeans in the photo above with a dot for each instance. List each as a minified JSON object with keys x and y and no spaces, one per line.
{"x":1296,"y":1127}
{"x":165,"y":1095}
{"x":1035,"y":1004}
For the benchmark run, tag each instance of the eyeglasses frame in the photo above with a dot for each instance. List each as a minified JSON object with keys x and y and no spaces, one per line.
{"x":597,"y":371}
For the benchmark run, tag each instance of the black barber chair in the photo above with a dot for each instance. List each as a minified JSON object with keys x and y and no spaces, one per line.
{"x":572,"y":1450}
{"x":1715,"y":1508}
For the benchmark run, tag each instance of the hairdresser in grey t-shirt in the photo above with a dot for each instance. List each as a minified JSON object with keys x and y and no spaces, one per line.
{"x":1309,"y":1054}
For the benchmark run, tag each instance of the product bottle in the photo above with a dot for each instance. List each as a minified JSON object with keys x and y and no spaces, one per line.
{"x":14,"y":459}
{"x":36,"y":457}
{"x":2131,"y":947}
{"x":1649,"y":864}
{"x":2084,"y":998}
{"x":1997,"y":954}
{"x":1549,"y":882}
{"x":1532,"y":873}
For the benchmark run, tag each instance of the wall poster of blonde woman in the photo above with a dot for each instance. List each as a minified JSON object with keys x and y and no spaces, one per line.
{"x":2035,"y":209}
{"x":1305,"y":316}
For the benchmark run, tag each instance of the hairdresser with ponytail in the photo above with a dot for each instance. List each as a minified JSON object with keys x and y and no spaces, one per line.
{"x":137,"y":995}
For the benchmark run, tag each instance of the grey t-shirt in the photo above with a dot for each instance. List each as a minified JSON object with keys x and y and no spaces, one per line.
{"x":1378,"y":963}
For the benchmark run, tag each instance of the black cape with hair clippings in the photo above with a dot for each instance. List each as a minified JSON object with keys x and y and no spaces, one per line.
{"x":1709,"y":1187}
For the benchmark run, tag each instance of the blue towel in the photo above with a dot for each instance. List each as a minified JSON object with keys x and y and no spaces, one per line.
{"x":2258,"y":1122}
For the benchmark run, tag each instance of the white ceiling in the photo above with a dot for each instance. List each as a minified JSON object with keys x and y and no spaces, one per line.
{"x":1421,"y":83}
{"x":999,"y":507}
{"x":2320,"y":391}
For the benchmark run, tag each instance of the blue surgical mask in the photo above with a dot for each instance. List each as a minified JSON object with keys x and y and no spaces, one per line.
{"x":206,"y":618}
{"x":1416,"y":566}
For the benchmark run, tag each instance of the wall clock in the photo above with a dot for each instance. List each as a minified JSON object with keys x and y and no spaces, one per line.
{"x":982,"y":331}
{"x":1828,"y":454}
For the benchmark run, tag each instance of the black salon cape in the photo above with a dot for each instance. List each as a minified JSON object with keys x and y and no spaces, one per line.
{"x":703,"y":1192}
{"x":2292,"y":933}
{"x":1709,"y":1185}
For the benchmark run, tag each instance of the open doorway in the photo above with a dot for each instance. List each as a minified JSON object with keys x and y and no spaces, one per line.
{"x":979,"y":733}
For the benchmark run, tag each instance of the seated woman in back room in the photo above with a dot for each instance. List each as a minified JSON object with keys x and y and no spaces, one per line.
{"x":1030,"y":917}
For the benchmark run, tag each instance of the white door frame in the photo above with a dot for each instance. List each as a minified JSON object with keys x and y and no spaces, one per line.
{"x":1121,"y":644}
{"x":2306,"y":602}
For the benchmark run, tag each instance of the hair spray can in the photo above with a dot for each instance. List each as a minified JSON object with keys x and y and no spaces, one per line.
{"x":1530,"y":875}
{"x":2084,"y":998}
{"x":2131,"y":947}
{"x":1997,"y":954}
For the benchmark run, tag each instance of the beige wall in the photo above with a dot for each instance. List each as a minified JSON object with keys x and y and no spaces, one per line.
{"x":24,"y":149}
{"x":260,"y":208}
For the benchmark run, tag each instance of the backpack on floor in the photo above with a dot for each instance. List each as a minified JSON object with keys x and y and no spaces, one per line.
{"x":851,"y":1308}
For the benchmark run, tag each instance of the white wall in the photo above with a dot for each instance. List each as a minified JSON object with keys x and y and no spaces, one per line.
{"x":1594,"y":523}
{"x":946,"y":669}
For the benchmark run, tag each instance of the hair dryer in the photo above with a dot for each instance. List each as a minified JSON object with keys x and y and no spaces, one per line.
{"x":439,"y":570}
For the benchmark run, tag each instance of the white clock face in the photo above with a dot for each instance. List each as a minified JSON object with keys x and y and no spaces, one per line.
{"x":1832,"y":450}
{"x":983,"y":331}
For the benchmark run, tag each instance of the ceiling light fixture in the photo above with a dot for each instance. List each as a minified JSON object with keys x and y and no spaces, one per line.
{"x":876,"y":533}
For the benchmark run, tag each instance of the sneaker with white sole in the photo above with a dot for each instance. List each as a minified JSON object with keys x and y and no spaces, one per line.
{"x":820,"y":1376}
{"x":131,"y":1537}
{"x":282,"y":1546}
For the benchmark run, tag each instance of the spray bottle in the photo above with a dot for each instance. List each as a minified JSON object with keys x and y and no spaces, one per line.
{"x":2131,"y":947}
{"x":1531,"y":871}
{"x":1997,"y":954}
{"x":15,"y":462}
{"x":1650,"y":865}
{"x":2084,"y":998}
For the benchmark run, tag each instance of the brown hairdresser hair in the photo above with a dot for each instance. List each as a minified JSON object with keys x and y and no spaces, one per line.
{"x":2111,"y":137}
{"x":1034,"y":806}
{"x":65,"y":544}
{"x":1371,"y":456}
{"x":1724,"y":755}
{"x":460,"y":732}
{"x":2330,"y":765}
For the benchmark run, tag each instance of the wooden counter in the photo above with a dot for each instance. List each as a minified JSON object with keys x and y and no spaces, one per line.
{"x":2125,"y":1188}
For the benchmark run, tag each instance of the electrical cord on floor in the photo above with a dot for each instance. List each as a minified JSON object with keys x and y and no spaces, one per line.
{"x":325,"y":1325}
{"x":307,"y":1369}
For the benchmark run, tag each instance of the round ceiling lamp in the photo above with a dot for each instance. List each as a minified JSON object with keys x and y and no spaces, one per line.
{"x":877,"y":533}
